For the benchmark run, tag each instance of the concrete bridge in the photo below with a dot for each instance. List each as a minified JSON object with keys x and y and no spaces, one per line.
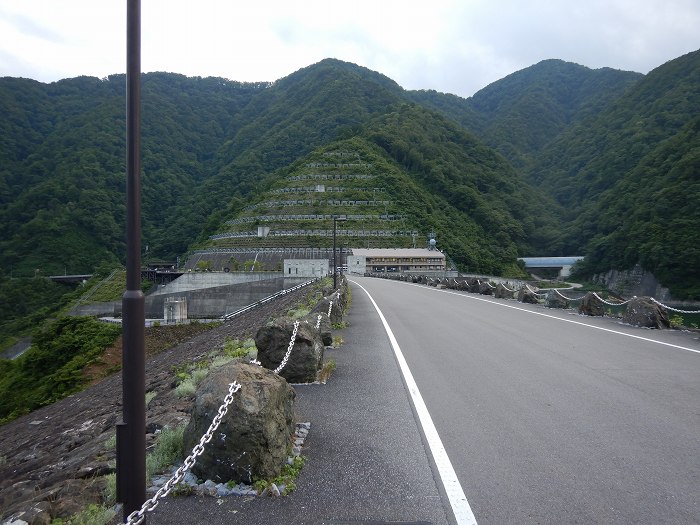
{"x":564,"y":264}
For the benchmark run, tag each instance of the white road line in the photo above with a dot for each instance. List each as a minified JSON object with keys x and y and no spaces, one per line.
{"x":460,"y":506}
{"x":560,"y":319}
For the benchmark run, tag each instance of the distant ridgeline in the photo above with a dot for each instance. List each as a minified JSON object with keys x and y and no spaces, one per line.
{"x":556,"y":159}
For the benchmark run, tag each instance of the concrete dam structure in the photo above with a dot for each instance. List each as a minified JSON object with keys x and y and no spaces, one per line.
{"x":208,"y":295}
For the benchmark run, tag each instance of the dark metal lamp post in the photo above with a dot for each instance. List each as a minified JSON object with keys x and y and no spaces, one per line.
{"x":335,"y":265}
{"x":131,"y":432}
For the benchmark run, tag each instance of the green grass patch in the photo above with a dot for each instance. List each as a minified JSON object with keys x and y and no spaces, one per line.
{"x":288,"y":477}
{"x":92,"y":515}
{"x":169,"y":449}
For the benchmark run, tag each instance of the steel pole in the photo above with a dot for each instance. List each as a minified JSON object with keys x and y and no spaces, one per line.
{"x":335,"y":266}
{"x":131,"y":432}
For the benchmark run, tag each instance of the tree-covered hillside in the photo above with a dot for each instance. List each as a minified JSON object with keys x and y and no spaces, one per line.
{"x":531,"y":165}
{"x":522,"y":113}
{"x":62,"y":188}
{"x":629,"y":178}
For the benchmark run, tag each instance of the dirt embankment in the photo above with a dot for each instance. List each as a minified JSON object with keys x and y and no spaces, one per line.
{"x":54,"y":459}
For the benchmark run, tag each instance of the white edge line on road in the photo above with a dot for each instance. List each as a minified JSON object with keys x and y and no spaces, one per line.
{"x":460,"y":506}
{"x":560,"y":319}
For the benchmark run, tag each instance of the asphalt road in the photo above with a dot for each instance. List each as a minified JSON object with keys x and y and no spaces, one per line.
{"x":551,"y":417}
{"x":366,"y":460}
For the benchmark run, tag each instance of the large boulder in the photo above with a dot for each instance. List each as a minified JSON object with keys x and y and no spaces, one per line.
{"x":503,"y":292}
{"x":320,"y":319}
{"x":591,"y":305}
{"x":485,"y":288}
{"x":306,"y":357}
{"x":462,"y":285}
{"x":254,"y":436}
{"x":555,"y":299}
{"x":642,"y":311}
{"x":525,"y":295}
{"x":473,"y":285}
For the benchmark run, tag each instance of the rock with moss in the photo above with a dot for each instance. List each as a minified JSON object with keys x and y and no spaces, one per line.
{"x":642,"y":311}
{"x":306,"y":357}
{"x":591,"y":305}
{"x":555,"y":300}
{"x":255,"y":435}
{"x":503,"y":292}
{"x":525,"y":295}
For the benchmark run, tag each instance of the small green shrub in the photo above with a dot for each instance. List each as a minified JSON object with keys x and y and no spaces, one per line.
{"x":110,"y":493}
{"x":676,"y":321}
{"x":92,"y":515}
{"x":220,"y":361}
{"x":186,"y":388}
{"x":111,"y":443}
{"x":168,"y":450}
{"x":288,"y":477}
{"x":150,"y":396}
{"x":298,"y":313}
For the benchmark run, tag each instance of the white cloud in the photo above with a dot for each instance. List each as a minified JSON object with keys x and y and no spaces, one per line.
{"x":448,"y":45}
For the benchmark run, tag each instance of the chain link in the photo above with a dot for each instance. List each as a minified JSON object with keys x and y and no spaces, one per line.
{"x":289,"y":350}
{"x":318,"y":321}
{"x":609,"y":303}
{"x":534,"y":292}
{"x":565,"y":297}
{"x":676,"y":309}
{"x":138,"y":516}
{"x":330,"y":307}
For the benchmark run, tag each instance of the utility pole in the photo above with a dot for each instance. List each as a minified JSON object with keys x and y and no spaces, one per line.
{"x":131,"y":432}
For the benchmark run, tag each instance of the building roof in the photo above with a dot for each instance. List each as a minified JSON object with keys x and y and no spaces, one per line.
{"x":397,"y":252}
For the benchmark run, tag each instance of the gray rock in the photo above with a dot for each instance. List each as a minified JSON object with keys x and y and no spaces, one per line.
{"x":555,"y":300}
{"x":485,"y":288}
{"x":254,"y":436}
{"x":325,"y":328}
{"x":306,"y":358}
{"x":473,"y":285}
{"x":502,"y":292}
{"x":591,"y":305}
{"x":642,"y":311}
{"x":525,"y":295}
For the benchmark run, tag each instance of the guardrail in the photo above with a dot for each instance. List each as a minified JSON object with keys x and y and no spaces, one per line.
{"x":266,"y":299}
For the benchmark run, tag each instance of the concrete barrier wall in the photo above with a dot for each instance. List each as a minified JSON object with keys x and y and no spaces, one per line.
{"x":208,"y":303}
{"x":200,"y":280}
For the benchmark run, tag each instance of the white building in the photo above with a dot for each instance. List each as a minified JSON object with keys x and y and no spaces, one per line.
{"x":406,"y":260}
{"x":306,"y":267}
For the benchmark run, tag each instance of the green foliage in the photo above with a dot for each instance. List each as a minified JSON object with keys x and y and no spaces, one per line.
{"x":288,"y":477}
{"x":52,"y":368}
{"x":235,"y":348}
{"x":168,"y":450}
{"x":298,"y":313}
{"x":211,"y":147}
{"x":26,"y":302}
{"x":92,"y":515}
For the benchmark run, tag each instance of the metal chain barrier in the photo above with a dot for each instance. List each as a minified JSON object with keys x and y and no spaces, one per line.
{"x":534,"y":292}
{"x":330,"y":307}
{"x":609,"y":303}
{"x":289,"y":350}
{"x":675,"y":309}
{"x":318,"y":321}
{"x":138,"y":516}
{"x":565,"y":297}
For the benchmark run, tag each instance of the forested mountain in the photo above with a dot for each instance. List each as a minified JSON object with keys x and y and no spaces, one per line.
{"x":522,"y":113}
{"x":629,"y":178}
{"x":534,"y":164}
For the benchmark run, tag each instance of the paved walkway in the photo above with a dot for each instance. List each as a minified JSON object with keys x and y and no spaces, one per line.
{"x":366,"y":462}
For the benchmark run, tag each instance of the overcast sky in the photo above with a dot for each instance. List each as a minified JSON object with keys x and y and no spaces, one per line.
{"x":451,"y":46}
